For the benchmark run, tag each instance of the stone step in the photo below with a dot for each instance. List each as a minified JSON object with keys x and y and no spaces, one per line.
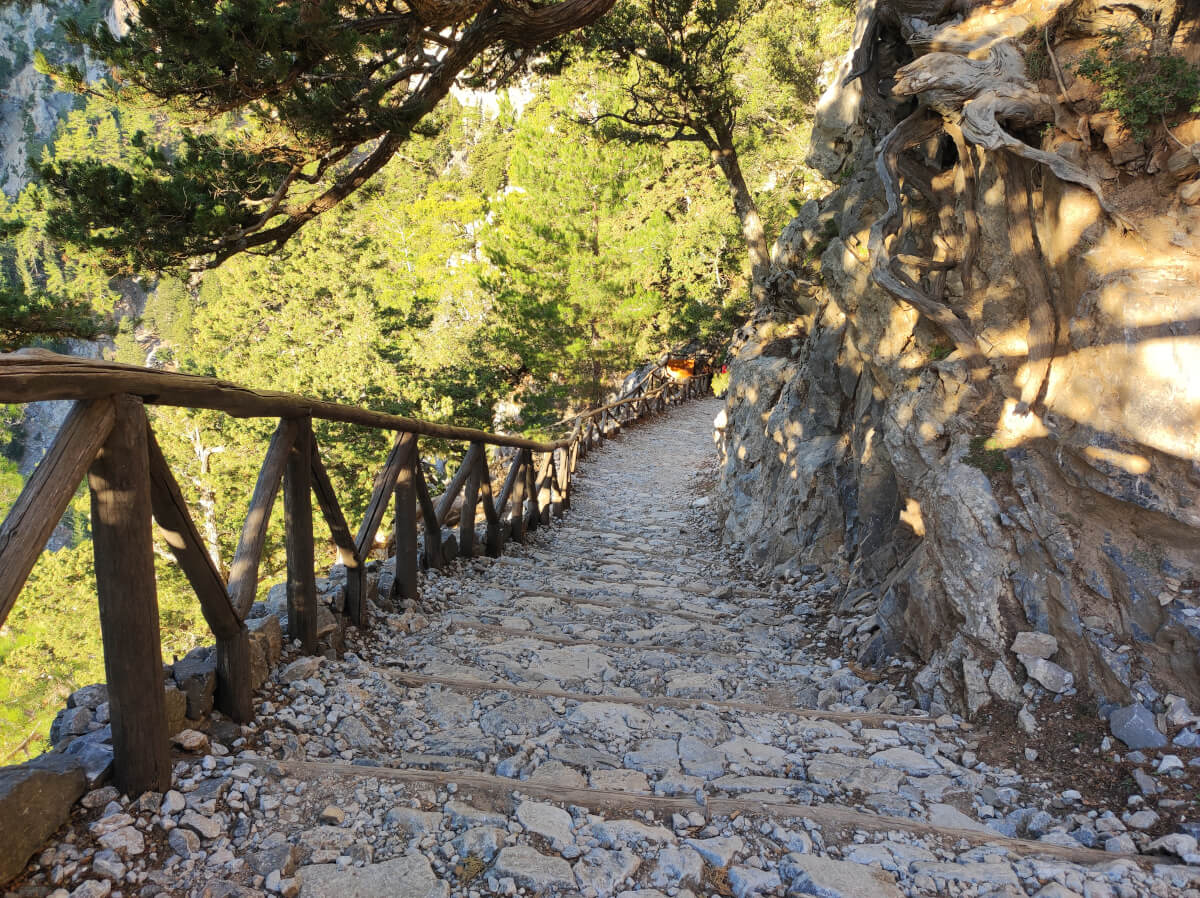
{"x":559,"y":639}
{"x":826,"y":815}
{"x":615,"y":603}
{"x":471,"y":684}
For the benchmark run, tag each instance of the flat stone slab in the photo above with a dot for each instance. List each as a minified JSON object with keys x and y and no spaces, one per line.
{"x":991,"y":874}
{"x":546,"y":820}
{"x":404,"y":877}
{"x":807,"y":874}
{"x":531,"y":869}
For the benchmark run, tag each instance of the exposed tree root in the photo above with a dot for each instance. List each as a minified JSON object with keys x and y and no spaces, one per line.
{"x":965,"y":186}
{"x":913,"y":130}
{"x":1031,"y":270}
{"x":980,"y":94}
{"x":975,"y":102}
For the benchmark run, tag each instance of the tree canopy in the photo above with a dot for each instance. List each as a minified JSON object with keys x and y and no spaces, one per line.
{"x":289,"y":108}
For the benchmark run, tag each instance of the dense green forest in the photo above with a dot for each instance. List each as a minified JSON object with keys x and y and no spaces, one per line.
{"x":523,"y":250}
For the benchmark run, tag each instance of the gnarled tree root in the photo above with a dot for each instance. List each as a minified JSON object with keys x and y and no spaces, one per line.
{"x":913,"y":130}
{"x":1031,"y":271}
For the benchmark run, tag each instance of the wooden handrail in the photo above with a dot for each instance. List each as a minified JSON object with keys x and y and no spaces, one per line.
{"x":35,"y":375}
{"x":108,"y":436}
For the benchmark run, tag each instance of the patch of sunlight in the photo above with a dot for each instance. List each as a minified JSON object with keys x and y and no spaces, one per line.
{"x":913,"y":518}
{"x":1013,"y":429}
{"x":1127,"y":461}
{"x":868,"y":447}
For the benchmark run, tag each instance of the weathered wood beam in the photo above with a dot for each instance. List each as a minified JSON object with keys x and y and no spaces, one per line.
{"x":298,"y":521}
{"x":517,"y":515}
{"x":33,"y":375}
{"x":454,"y":487}
{"x":404,"y":583}
{"x":381,"y":495}
{"x":339,"y":530}
{"x":509,"y":482}
{"x":47,"y":494}
{"x":123,"y":547}
{"x":534,"y":518}
{"x":466,"y":521}
{"x":186,"y":545}
{"x":433,"y":530}
{"x":234,"y":695}
{"x":493,"y":543}
{"x":243,"y":573}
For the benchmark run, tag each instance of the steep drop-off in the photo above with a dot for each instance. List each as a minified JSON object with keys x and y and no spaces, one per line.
{"x":981,"y":412}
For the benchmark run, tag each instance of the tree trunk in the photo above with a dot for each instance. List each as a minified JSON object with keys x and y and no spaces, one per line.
{"x":725,"y":156}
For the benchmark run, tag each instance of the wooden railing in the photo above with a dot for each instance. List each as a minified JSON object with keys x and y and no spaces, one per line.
{"x":107,"y":437}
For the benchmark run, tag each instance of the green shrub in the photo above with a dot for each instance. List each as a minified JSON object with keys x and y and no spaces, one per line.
{"x":986,"y":456}
{"x":1139,"y":87}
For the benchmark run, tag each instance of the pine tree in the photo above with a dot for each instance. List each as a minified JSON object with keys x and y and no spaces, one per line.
{"x":291,"y":107}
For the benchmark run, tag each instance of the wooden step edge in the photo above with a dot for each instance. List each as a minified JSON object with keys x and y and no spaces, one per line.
{"x":629,"y":607}
{"x":655,"y":607}
{"x":741,"y":592}
{"x":468,"y":684}
{"x":548,"y":556}
{"x":613,"y":800}
{"x":496,"y":630}
{"x":635,"y":534}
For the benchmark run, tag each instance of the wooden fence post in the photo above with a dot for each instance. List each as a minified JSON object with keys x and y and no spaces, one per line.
{"x":433,"y":530}
{"x":234,"y":696}
{"x":47,"y":493}
{"x":348,"y":555}
{"x":545,"y":500}
{"x":466,"y":516}
{"x":494,"y":541}
{"x":122,"y":540}
{"x":297,"y":513}
{"x":531,"y":483}
{"x":405,"y":581}
{"x":518,"y":500}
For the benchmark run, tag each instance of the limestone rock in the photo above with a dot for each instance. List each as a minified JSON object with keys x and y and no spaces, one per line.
{"x":1035,"y":645}
{"x":747,"y":881}
{"x":677,"y":867}
{"x":546,"y":820}
{"x":409,"y":876}
{"x":481,"y":842}
{"x":1049,"y":674}
{"x":807,"y":874}
{"x":978,"y":695}
{"x":176,"y":708}
{"x":35,"y":800}
{"x":1003,"y":686}
{"x":1136,"y":727}
{"x":196,"y":676}
{"x":533,"y":870}
{"x":301,"y":669}
{"x":604,"y":871}
{"x":719,"y":851}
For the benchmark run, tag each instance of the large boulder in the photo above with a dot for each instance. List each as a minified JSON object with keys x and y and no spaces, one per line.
{"x":35,"y":800}
{"x":196,"y":676}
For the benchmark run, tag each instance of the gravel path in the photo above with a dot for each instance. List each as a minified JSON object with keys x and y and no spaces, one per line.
{"x":612,"y":709}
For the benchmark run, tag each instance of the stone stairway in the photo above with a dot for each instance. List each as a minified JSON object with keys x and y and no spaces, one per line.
{"x":613,"y":709}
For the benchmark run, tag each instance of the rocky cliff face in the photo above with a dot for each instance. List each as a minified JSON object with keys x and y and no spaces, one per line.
{"x":30,"y":107}
{"x":983,"y":415}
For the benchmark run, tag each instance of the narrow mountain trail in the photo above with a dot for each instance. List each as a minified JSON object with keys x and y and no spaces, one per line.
{"x":612,"y":709}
